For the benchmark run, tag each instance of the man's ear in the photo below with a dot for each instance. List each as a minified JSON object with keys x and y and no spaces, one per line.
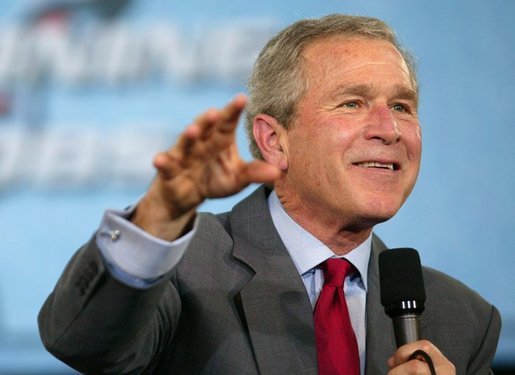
{"x":271,"y":139}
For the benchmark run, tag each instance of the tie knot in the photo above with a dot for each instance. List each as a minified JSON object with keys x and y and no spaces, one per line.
{"x":335,"y":271}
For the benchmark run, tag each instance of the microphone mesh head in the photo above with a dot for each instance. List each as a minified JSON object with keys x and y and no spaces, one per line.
{"x":401,"y":279}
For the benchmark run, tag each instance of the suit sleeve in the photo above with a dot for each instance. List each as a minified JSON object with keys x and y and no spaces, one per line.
{"x":96,"y":324}
{"x":134,"y":256}
{"x":482,"y":361}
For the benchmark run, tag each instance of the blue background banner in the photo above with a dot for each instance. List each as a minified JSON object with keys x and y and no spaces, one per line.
{"x":90,"y":90}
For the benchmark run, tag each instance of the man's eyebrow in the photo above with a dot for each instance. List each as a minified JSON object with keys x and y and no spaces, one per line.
{"x":360,"y":89}
{"x":397,"y":91}
{"x":406,"y":93}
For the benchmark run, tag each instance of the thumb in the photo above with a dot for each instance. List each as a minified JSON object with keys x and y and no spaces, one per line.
{"x":259,"y":171}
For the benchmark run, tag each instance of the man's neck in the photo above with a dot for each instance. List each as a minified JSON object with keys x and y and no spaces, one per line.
{"x":334,"y":231}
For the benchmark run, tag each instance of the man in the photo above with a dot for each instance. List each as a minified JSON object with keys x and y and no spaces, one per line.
{"x":332,"y":115}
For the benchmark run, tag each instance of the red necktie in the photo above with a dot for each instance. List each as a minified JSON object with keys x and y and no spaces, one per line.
{"x":337,"y":347}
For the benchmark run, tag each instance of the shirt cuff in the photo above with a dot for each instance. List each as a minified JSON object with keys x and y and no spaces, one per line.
{"x":128,"y":248}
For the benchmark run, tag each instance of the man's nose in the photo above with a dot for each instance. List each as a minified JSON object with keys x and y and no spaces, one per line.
{"x":381,"y":125}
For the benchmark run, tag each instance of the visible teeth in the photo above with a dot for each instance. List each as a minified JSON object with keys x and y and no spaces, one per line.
{"x":373,"y":164}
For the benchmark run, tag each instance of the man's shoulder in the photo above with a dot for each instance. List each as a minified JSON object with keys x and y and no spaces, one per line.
{"x":438,"y":280}
{"x":252,"y":209}
{"x":460,"y":322}
{"x":451,"y":297}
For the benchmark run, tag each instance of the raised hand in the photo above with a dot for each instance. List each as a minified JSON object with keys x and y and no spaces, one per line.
{"x":204,"y":163}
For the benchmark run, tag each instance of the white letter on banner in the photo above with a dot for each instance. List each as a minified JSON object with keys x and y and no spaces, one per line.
{"x":170,"y":56}
{"x":67,"y":158}
{"x":132,"y":154}
{"x":11,"y":145}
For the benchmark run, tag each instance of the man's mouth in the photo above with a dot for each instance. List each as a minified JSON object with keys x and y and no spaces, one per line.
{"x":375,"y":164}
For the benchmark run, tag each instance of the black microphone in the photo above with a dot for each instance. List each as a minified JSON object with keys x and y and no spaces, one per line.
{"x":402,"y":292}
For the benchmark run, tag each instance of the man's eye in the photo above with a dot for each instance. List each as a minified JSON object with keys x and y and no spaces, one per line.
{"x":400,"y":107}
{"x":350,"y":105}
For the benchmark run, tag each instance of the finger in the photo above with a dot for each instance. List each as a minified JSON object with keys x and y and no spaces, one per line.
{"x":402,"y":356}
{"x":232,"y":111}
{"x":229,"y":116}
{"x":411,"y":367}
{"x":223,"y":121}
{"x":187,"y":140}
{"x":169,"y":164}
{"x":206,"y":122}
{"x":164,"y":165}
{"x":403,"y":353}
{"x":259,"y":171}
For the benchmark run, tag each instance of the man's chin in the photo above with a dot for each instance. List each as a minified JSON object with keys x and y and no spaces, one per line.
{"x":377,"y":217}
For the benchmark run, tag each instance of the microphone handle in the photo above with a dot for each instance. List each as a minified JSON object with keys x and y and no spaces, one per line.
{"x":407,"y":328}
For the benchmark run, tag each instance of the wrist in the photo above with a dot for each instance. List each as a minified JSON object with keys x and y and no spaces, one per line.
{"x":160,"y":221}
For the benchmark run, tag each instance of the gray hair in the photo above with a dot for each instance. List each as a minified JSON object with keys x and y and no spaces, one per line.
{"x":277,"y":82}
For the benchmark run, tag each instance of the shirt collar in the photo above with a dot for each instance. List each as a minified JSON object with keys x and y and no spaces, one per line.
{"x":306,"y":250}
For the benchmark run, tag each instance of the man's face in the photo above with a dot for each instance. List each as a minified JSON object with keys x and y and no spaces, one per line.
{"x":353,"y":151}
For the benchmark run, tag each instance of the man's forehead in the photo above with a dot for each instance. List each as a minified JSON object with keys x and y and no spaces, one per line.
{"x":337,"y":53}
{"x":348,"y":47}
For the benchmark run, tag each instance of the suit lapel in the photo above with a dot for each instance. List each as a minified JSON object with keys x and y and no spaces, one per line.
{"x":276,"y":308}
{"x":380,"y":335}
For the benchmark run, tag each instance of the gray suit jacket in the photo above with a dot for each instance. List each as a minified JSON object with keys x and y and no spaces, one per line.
{"x":236,"y":304}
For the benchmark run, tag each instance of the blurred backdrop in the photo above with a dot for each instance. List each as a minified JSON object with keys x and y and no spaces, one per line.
{"x":91,"y":89}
